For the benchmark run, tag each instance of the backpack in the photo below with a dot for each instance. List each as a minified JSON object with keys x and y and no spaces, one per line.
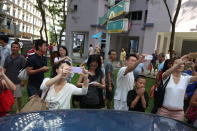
{"x":159,"y":94}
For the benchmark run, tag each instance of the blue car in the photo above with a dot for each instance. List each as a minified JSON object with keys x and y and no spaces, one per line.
{"x":90,"y":120}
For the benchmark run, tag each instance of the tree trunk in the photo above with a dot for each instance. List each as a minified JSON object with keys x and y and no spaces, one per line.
{"x":54,"y":27}
{"x":172,"y":39}
{"x":64,"y":22}
{"x":173,"y":23}
{"x":60,"y":38}
{"x":41,"y":8}
{"x":41,"y":29}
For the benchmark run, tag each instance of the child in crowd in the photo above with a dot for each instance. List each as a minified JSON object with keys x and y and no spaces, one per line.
{"x":137,"y":99}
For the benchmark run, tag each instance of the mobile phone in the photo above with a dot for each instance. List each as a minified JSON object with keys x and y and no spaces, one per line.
{"x":192,"y":55}
{"x":148,"y":57}
{"x":77,"y":70}
{"x":91,"y":83}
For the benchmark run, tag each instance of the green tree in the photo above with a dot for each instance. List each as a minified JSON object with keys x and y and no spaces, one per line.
{"x":52,"y":35}
{"x":41,"y":6}
{"x":58,"y":9}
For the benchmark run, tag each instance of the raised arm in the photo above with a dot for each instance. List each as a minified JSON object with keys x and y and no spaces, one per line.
{"x":84,"y":89}
{"x":133,"y":66}
{"x":80,"y":80}
{"x":178,"y":62}
{"x":193,"y":78}
{"x":56,"y":60}
{"x":6,"y":81}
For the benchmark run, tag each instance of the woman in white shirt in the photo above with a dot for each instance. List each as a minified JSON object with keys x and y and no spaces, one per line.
{"x":175,"y":90}
{"x":62,"y":56}
{"x":59,"y":91}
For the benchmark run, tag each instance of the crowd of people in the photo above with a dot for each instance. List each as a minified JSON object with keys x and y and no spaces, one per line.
{"x":97,"y":87}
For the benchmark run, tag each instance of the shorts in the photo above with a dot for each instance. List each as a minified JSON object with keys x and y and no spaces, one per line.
{"x":32,"y":90}
{"x":120,"y":105}
{"x":18,"y":91}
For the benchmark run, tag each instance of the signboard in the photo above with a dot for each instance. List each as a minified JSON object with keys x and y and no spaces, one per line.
{"x":121,"y":8}
{"x":103,"y":20}
{"x":117,"y":26}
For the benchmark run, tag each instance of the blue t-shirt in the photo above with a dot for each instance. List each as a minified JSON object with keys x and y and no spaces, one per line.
{"x":192,"y":86}
{"x":160,"y":66}
{"x":138,"y":70}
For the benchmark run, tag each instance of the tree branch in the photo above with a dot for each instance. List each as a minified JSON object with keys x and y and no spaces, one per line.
{"x":168,"y":10}
{"x":177,"y":11}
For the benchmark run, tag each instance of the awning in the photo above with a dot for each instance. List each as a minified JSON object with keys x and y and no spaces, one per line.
{"x":97,"y":36}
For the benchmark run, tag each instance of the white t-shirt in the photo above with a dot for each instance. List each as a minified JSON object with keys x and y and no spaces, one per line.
{"x":124,"y":84}
{"x":61,"y":100}
{"x":58,"y":59}
{"x":91,"y":50}
{"x":174,"y":93}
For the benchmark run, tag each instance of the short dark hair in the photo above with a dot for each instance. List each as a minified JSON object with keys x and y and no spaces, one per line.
{"x":110,"y":51}
{"x":60,"y":63}
{"x":162,"y":55}
{"x":131,"y":55}
{"x":15,"y":43}
{"x":39,"y":43}
{"x":90,"y":45}
{"x":17,"y":40}
{"x":5,"y":38}
{"x":140,"y":77}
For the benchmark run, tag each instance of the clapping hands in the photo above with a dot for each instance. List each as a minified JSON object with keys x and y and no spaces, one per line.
{"x":140,"y":91}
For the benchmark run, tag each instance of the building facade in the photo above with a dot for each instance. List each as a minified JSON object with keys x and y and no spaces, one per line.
{"x":158,"y":36}
{"x":149,"y":26}
{"x":21,"y":18}
{"x":82,"y":23}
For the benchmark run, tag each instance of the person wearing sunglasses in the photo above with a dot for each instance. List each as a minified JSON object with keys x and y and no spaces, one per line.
{"x":94,"y":97}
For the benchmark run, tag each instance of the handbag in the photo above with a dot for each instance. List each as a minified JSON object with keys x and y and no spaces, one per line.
{"x":159,"y":94}
{"x":23,"y":74}
{"x":6,"y":100}
{"x":36,"y":104}
{"x":191,"y":113}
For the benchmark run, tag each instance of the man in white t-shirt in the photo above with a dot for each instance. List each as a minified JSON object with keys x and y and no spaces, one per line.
{"x":90,"y":50}
{"x":125,"y":82}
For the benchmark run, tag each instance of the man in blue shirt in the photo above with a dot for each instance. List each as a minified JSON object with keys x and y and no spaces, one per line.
{"x":4,"y":50}
{"x":161,"y":58}
{"x":192,"y":86}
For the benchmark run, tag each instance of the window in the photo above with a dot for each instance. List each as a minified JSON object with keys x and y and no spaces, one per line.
{"x":117,"y":1}
{"x":14,"y":12}
{"x":145,"y":17}
{"x":8,"y":24}
{"x":136,"y":15}
{"x":75,"y":7}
